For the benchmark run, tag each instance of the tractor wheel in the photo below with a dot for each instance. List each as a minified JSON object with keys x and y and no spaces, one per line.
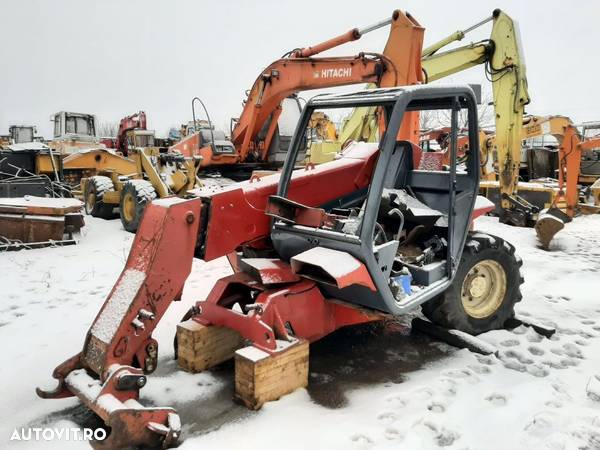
{"x":136,"y":194}
{"x":485,"y":289}
{"x":94,"y":197}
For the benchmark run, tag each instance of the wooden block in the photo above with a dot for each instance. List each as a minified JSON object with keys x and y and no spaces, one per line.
{"x":261,"y":378}
{"x":201,"y":347}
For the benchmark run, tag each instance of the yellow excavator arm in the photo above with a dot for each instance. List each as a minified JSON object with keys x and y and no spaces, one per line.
{"x":504,"y":63}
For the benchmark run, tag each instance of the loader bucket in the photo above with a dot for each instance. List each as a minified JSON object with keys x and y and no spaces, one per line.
{"x":550,"y":222}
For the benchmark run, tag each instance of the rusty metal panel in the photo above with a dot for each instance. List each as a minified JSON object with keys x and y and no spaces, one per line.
{"x":40,"y":205}
{"x":30,"y":228}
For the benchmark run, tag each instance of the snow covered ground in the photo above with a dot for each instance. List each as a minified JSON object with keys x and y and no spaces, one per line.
{"x":370,"y":387}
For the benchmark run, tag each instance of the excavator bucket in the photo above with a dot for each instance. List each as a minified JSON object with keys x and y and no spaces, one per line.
{"x":550,"y":222}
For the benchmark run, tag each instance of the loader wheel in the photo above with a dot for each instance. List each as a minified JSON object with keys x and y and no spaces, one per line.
{"x":94,"y":197}
{"x":136,"y":194}
{"x":485,"y":289}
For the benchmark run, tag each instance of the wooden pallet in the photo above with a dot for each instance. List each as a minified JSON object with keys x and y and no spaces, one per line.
{"x":260,"y":377}
{"x":201,"y":347}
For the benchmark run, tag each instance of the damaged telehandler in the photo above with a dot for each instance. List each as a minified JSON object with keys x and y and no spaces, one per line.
{"x":358,"y":239}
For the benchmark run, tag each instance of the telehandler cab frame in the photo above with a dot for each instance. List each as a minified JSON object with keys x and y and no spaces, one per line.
{"x":313,"y":250}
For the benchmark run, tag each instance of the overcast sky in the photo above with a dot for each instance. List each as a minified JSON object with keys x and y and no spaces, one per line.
{"x":113,"y":58}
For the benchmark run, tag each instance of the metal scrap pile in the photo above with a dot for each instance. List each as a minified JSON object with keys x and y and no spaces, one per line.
{"x":21,"y":172}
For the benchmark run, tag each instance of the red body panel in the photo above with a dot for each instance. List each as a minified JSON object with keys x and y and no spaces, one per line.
{"x":241,"y":207}
{"x":300,"y":307}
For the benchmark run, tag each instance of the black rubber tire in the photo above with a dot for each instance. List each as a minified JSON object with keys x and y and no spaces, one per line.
{"x":447,"y":309}
{"x":97,"y":186}
{"x":143,"y":193}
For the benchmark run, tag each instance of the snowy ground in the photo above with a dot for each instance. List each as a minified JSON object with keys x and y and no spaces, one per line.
{"x":369,"y":388}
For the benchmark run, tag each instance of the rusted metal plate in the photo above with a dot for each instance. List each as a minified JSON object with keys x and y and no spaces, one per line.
{"x":38,"y":220}
{"x":30,"y":228}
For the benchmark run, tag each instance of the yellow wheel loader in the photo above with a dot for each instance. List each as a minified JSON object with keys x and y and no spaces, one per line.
{"x":157,"y":175}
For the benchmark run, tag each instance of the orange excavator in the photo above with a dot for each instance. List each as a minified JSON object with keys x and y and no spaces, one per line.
{"x":252,"y":136}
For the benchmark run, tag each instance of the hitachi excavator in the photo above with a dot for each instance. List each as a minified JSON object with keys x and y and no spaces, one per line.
{"x":252,"y":136}
{"x":361,"y":238}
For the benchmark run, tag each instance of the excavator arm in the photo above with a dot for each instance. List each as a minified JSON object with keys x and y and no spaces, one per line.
{"x":301,"y":70}
{"x":505,"y":69}
{"x":135,"y":121}
{"x":397,"y":66}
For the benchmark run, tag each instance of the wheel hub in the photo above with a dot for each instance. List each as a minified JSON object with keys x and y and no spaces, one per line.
{"x":90,"y":201}
{"x":483,"y":289}
{"x":128,"y":207}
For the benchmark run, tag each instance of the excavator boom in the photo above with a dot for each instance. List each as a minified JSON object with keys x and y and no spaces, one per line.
{"x":253,"y":132}
{"x":135,"y":121}
{"x":505,"y":68}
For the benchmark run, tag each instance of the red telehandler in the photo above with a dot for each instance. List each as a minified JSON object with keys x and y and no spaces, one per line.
{"x":358,"y":239}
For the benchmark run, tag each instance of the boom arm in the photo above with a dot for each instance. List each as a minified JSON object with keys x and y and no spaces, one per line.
{"x":505,"y":68}
{"x":398,"y":65}
{"x":132,"y":122}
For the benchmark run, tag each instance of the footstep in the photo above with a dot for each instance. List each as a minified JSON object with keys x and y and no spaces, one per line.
{"x":514,"y":365}
{"x":573,"y":351}
{"x":537,"y":370}
{"x":397,"y":401}
{"x":521,"y":329}
{"x":518,"y":356}
{"x":387,"y":417}
{"x":392,"y":434}
{"x":487,"y":360}
{"x":496,"y":399}
{"x":553,"y":404}
{"x":436,"y":408}
{"x":442,"y":436}
{"x":536,"y":351}
{"x":480,"y":369}
{"x":361,"y":439}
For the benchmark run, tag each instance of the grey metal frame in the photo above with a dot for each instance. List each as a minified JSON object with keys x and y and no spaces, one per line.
{"x":396,"y":102}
